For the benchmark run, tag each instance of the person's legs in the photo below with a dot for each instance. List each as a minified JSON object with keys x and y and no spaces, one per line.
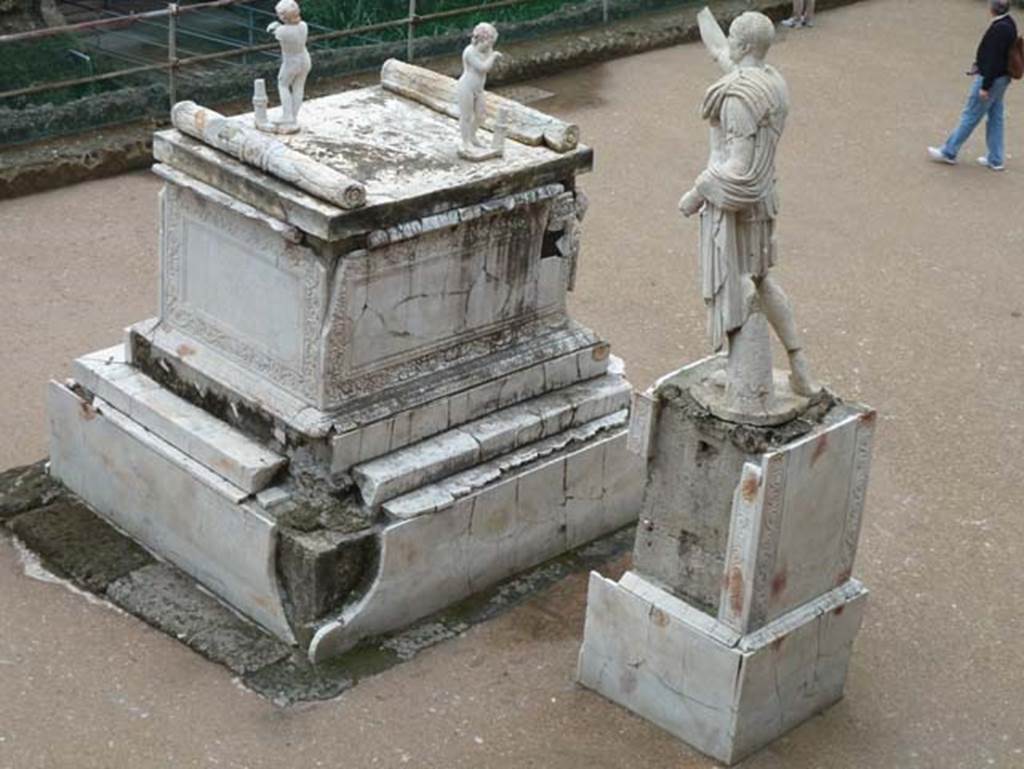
{"x":798,"y":12}
{"x":808,"y":13}
{"x":994,"y":123}
{"x":974,"y":111}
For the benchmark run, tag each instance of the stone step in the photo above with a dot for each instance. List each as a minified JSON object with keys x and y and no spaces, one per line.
{"x":400,"y":414}
{"x":484,"y":439}
{"x":162,"y":498}
{"x":217,"y":446}
{"x":437,"y":496}
{"x":364,"y":435}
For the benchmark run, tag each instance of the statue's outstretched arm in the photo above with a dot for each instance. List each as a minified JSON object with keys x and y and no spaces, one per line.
{"x":714,"y":39}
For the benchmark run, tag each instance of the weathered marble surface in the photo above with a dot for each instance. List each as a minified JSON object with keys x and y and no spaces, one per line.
{"x":796,"y":519}
{"x":363,"y":435}
{"x":166,"y":500}
{"x":403,"y":153}
{"x":496,"y":434}
{"x":213,"y":444}
{"x":738,"y":619}
{"x":724,"y":693}
{"x":472,"y":542}
{"x":435,"y":496}
{"x":426,"y":296}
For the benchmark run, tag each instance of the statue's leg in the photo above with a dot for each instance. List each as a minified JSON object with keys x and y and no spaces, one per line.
{"x":467,"y":116}
{"x":298,"y":93}
{"x":479,"y":111}
{"x":780,"y":314}
{"x":750,"y":384}
{"x":285,"y":92}
{"x":749,"y":304}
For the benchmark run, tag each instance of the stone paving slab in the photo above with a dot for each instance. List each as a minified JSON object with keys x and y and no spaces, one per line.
{"x":25,"y":488}
{"x":173,"y":602}
{"x":75,"y":543}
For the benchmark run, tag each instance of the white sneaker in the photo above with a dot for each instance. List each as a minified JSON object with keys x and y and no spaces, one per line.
{"x":934,"y":153}
{"x":808,"y":22}
{"x":792,"y":22}
{"x":983,"y":161}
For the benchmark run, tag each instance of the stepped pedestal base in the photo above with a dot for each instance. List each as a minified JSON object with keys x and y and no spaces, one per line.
{"x":738,"y":618}
{"x":429,"y":523}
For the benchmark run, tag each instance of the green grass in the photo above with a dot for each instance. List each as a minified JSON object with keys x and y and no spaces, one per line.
{"x":50,"y":60}
{"x":34,"y":61}
{"x":347,"y":14}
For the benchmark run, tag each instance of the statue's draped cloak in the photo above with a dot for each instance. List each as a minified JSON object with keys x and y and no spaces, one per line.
{"x":738,"y":223}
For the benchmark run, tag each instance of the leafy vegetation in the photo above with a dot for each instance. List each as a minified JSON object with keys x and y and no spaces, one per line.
{"x":360,"y":13}
{"x":48,"y":60}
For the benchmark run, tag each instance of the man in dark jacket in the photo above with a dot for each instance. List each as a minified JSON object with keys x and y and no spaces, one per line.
{"x":986,"y":98}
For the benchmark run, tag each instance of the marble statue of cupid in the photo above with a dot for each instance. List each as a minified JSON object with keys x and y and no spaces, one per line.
{"x":291,"y":32}
{"x":478,"y":59}
{"x":736,"y":199}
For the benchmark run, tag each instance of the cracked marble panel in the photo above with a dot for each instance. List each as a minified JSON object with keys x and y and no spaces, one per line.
{"x":169,"y":502}
{"x":449,"y":540}
{"x":441,"y":289}
{"x":725,"y":695}
{"x":795,"y":520}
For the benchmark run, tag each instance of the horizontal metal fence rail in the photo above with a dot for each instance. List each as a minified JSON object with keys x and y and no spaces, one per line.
{"x":173,"y":63}
{"x":115,"y":21}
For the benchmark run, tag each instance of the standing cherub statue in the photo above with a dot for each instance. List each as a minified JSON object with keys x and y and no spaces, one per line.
{"x":736,"y":198}
{"x":291,"y":32}
{"x":477,"y":60}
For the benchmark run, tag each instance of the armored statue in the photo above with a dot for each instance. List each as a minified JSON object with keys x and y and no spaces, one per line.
{"x":736,"y":199}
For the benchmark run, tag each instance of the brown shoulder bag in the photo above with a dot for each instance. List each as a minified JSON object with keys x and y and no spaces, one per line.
{"x":1015,"y":62}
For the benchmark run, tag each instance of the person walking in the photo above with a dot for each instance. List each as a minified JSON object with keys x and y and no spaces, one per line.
{"x":803,"y":15}
{"x":991,"y":79}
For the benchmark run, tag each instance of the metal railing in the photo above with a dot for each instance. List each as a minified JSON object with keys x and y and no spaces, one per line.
{"x":174,"y":64}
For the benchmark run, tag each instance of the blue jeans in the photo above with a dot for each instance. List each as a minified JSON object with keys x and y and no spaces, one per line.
{"x":975,"y":109}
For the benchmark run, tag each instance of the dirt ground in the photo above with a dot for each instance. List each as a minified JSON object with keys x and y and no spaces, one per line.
{"x":908,"y":280}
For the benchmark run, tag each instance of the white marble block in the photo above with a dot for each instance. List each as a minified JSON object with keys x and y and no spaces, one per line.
{"x":466,"y":543}
{"x":169,"y":502}
{"x":724,"y":693}
{"x":737,"y":620}
{"x":355,"y":409}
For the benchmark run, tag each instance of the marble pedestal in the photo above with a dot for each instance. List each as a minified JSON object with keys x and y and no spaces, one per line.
{"x":347,"y":417}
{"x":738,"y":619}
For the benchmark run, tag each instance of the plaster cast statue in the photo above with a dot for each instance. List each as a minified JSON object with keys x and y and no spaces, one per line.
{"x":291,"y":32}
{"x":736,"y":199}
{"x":478,"y":59}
